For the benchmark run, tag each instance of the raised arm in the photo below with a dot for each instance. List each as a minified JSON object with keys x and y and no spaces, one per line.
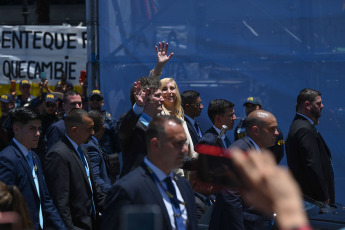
{"x":162,"y":58}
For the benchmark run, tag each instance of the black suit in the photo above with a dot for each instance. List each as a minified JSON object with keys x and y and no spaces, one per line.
{"x":194,"y":135}
{"x":309,"y":160}
{"x":69,"y":186}
{"x":132,"y":137}
{"x":139,"y":187}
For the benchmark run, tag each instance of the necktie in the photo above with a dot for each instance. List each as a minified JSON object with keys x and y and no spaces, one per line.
{"x":34,"y":175}
{"x":227,"y":141}
{"x":175,"y":204}
{"x":197,"y":128}
{"x":82,"y":157}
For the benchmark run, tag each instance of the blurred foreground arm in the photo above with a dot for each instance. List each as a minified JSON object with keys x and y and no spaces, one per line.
{"x":270,"y":188}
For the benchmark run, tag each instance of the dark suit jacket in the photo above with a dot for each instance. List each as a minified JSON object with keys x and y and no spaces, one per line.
{"x":55,"y":132}
{"x":192,"y":132}
{"x":210,"y":138}
{"x":132,"y":136}
{"x":139,"y":188}
{"x":69,"y":186}
{"x":309,"y":160}
{"x":229,"y":211}
{"x":99,"y":167}
{"x":15,"y":170}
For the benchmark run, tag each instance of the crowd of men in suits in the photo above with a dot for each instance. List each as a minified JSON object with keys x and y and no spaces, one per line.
{"x":73,"y":180}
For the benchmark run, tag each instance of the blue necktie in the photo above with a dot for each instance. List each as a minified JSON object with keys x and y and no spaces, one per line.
{"x":227,"y":141}
{"x":175,"y":204}
{"x":82,"y":157}
{"x":197,"y":128}
{"x":34,"y":174}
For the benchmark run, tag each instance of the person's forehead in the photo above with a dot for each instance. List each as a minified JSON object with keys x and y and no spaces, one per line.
{"x":33,"y":123}
{"x":74,"y":98}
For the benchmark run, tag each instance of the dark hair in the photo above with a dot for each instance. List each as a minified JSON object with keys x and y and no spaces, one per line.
{"x":74,"y":118}
{"x":12,"y":200}
{"x":22,"y":115}
{"x":156,"y":127}
{"x":217,"y":107}
{"x":306,"y":95}
{"x":98,"y":120}
{"x":188,"y":97}
{"x":146,"y":82}
{"x":68,"y":93}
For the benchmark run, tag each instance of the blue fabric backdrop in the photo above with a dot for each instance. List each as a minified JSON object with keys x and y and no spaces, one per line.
{"x":233,"y":49}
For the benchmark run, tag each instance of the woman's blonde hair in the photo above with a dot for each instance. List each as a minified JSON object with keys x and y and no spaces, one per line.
{"x":178,"y":110}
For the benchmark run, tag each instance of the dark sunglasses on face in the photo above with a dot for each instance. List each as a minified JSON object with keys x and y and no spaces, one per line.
{"x":50,"y":105}
{"x":95,"y":99}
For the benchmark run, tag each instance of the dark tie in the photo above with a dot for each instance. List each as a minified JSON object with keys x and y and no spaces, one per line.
{"x":176,"y":205}
{"x":197,"y":128}
{"x":227,"y":141}
{"x":82,"y":157}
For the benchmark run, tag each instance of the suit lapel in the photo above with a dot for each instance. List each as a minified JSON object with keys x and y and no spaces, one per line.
{"x":213,"y":131}
{"x":151,"y":185}
{"x":26,"y":167}
{"x":76,"y":157}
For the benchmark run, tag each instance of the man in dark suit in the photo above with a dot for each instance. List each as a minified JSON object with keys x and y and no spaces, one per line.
{"x":251,"y":104}
{"x":110,"y":141}
{"x":192,"y":107}
{"x":56,"y":131}
{"x":99,"y":166}
{"x":70,"y":179}
{"x":308,"y":155}
{"x":154,"y":182}
{"x":221,"y":112}
{"x":21,"y":167}
{"x":147,"y":101}
{"x":230,"y":212}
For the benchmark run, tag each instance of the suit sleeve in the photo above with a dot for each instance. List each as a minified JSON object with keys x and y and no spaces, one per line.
{"x":126,"y":127}
{"x":57,"y":177}
{"x":50,"y":211}
{"x":115,"y":201}
{"x":95,"y":160}
{"x":7,"y":171}
{"x":312,"y":160}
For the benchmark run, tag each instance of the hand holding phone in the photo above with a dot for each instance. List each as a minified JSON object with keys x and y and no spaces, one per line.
{"x":43,"y":77}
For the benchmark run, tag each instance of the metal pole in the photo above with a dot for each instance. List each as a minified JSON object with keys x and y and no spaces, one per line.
{"x":92,"y":44}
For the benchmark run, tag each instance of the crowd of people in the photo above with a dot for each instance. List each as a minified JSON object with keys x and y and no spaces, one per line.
{"x":76,"y":167}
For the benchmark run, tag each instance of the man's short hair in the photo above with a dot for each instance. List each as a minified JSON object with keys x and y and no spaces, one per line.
{"x":23,"y":115}
{"x":146,"y":82}
{"x":98,"y":120}
{"x":68,"y":93}
{"x":306,"y":95}
{"x":74,"y":118}
{"x":218,"y":107}
{"x":188,"y":97}
{"x":156,"y":127}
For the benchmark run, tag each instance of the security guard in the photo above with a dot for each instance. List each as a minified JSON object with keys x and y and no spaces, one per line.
{"x":251,"y":104}
{"x":110,"y":141}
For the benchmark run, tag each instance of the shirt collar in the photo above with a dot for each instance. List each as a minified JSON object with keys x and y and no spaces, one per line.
{"x":306,"y":118}
{"x":255,"y":145}
{"x":73,"y":143}
{"x":95,"y":139}
{"x":159,"y":173}
{"x":22,"y":148}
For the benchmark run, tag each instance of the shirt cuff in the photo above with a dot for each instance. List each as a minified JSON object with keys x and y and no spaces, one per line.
{"x":138,"y":110}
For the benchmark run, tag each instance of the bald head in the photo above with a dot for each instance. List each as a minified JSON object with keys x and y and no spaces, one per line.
{"x":261,"y":126}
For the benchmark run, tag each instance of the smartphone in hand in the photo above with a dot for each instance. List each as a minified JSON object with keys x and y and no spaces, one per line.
{"x":43,"y":77}
{"x":82,"y":76}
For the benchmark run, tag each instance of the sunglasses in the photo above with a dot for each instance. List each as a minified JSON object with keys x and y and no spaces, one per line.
{"x":96,"y":99}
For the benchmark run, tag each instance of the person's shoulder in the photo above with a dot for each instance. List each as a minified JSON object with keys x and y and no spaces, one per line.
{"x":10,"y":153}
{"x":60,"y":148}
{"x":133,"y":179}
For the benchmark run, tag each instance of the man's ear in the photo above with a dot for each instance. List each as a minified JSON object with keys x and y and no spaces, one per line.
{"x":255,"y":130}
{"x":73,"y":130}
{"x":155,"y":144}
{"x":307,"y":105}
{"x":15,"y":128}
